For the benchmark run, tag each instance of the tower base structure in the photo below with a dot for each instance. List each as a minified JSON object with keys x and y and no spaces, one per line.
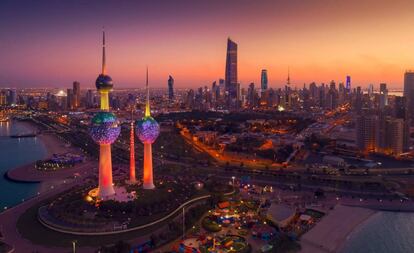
{"x":132,"y":177}
{"x":148,"y":179}
{"x":106,"y":187}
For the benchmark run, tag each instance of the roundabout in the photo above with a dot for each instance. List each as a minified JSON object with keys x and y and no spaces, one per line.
{"x":79,"y":211}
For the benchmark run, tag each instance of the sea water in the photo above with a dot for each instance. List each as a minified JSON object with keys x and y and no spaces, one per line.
{"x":16,"y":152}
{"x":384,"y":232}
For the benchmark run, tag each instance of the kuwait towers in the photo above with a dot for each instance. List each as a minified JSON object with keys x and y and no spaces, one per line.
{"x":104,"y":130}
{"x":147,"y":130}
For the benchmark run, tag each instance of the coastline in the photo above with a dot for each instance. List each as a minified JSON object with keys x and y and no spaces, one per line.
{"x":46,"y":180}
{"x":355,"y":230}
{"x":52,"y":143}
{"x":28,"y":174}
{"x":333,"y":231}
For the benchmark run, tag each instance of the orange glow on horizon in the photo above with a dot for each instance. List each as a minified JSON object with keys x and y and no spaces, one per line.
{"x":319,"y":40}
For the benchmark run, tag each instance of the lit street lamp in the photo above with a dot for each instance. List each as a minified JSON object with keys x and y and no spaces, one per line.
{"x":233,"y":177}
{"x":74,"y":246}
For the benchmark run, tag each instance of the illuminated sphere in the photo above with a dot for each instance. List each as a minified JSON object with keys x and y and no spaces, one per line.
{"x":104,"y":83}
{"x":147,"y":129}
{"x":104,"y":128}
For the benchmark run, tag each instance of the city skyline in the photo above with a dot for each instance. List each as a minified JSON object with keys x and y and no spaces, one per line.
{"x":329,"y":41}
{"x":269,"y":126}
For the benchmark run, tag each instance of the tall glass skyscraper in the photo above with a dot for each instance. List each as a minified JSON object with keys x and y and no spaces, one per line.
{"x":76,"y":94}
{"x":231,"y":69}
{"x":409,"y":93}
{"x":348,"y":83}
{"x":263,"y":82}
{"x":170,"y":87}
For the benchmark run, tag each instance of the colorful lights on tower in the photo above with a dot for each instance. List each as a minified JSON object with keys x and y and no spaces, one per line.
{"x":132,"y":177}
{"x":147,"y":130}
{"x":104,"y":130}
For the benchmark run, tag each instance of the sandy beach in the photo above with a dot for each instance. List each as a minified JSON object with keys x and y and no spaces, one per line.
{"x":52,"y":143}
{"x":28,"y":173}
{"x":331,"y":233}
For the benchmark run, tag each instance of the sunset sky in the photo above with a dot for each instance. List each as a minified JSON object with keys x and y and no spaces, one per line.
{"x":52,"y":43}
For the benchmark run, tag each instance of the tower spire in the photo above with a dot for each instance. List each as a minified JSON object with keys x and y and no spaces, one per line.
{"x":103,"y":53}
{"x":147,"y":106}
{"x":288,"y":78}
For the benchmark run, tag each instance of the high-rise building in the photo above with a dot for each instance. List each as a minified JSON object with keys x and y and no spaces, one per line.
{"x":222,"y":87}
{"x":147,"y":130}
{"x":383,"y":96}
{"x":288,"y":78}
{"x":358,"y":100}
{"x":390,"y":135}
{"x":251,"y":95}
{"x":76,"y":95}
{"x":170,"y":87}
{"x":313,"y":89}
{"x":231,"y":69}
{"x":89,"y":99}
{"x":332,"y":97}
{"x":69,"y":99}
{"x":104,"y":130}
{"x":12,"y":97}
{"x":409,"y":93}
{"x":395,"y":136}
{"x":3,"y":98}
{"x":401,"y":112}
{"x":189,"y":100}
{"x":263,"y":80}
{"x":215,"y":94}
{"x":348,"y":83}
{"x":366,"y":132}
{"x":370,"y":90}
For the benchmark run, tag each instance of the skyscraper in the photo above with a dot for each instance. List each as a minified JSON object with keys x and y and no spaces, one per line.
{"x":12,"y":97}
{"x":366,"y":134}
{"x":3,"y":98}
{"x":251,"y":96}
{"x":383,"y":96}
{"x":104,"y":130}
{"x":69,"y":100}
{"x":288,"y":78}
{"x":189,"y":100}
{"x":409,"y":93}
{"x":348,"y":83}
{"x":231,"y":69}
{"x":401,"y":112}
{"x":222,"y":87}
{"x":89,"y":99}
{"x":76,"y":94}
{"x":370,"y":90}
{"x":358,"y":103}
{"x":170,"y":87}
{"x":263,"y":82}
{"x":147,"y":130}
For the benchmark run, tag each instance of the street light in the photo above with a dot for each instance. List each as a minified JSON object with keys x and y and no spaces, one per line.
{"x":183,"y":223}
{"x":74,"y":246}
{"x":233,"y":177}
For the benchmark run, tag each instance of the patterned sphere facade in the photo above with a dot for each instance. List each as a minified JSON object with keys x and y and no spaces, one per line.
{"x":147,"y":129}
{"x":104,"y":128}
